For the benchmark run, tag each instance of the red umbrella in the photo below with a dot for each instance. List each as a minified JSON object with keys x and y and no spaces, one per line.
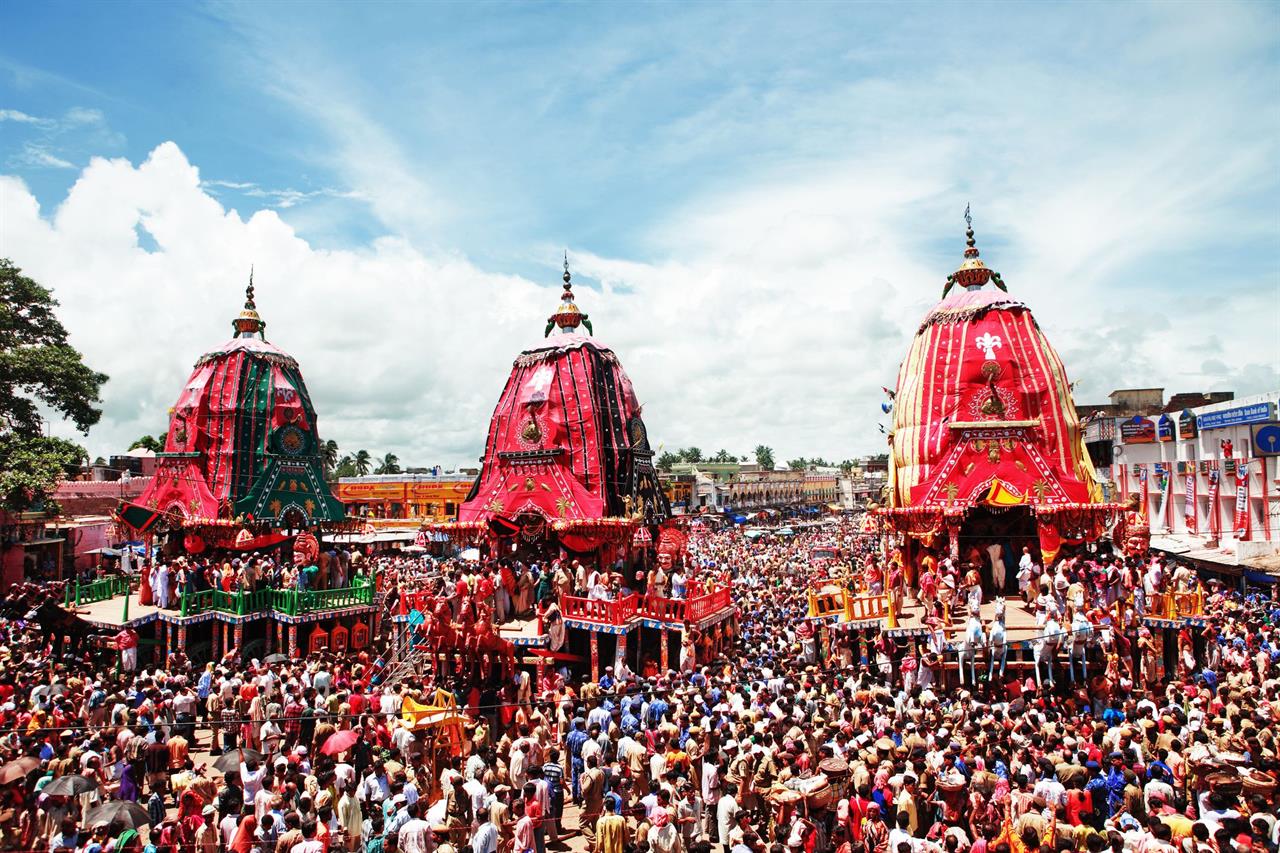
{"x":340,"y":741}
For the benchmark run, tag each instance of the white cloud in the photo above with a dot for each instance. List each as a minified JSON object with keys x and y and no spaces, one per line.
{"x":35,"y":154}
{"x":50,"y":138}
{"x":281,"y":199}
{"x":1129,"y":200}
{"x":388,"y":338}
{"x":23,"y":118}
{"x":787,"y":309}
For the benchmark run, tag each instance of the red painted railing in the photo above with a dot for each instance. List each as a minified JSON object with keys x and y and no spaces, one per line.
{"x":604,"y":612}
{"x":423,"y":602}
{"x":697,"y":609}
{"x":674,"y":610}
{"x":664,"y":609}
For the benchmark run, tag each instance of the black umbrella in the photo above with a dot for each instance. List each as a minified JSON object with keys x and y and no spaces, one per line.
{"x":230,"y":761}
{"x":126,"y":814}
{"x":71,"y":785}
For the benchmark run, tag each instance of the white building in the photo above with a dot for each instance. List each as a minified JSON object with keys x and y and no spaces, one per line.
{"x":1209,"y":478}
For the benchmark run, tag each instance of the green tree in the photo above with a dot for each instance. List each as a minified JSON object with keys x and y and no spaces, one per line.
{"x":346,"y":467}
{"x":329,"y":455}
{"x":764,"y":457}
{"x":390,"y":464}
{"x":798,"y":464}
{"x":691,"y":454}
{"x":848,"y":465}
{"x":38,"y":367}
{"x":154,"y":443}
{"x":722,"y":455}
{"x":666,"y":459}
{"x":363,"y":462}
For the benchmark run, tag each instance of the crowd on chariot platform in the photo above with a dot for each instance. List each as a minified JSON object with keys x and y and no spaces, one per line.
{"x":170,"y":578}
{"x":789,"y":737}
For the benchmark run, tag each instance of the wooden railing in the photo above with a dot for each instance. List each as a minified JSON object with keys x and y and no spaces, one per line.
{"x":674,"y":610}
{"x":665,"y":609}
{"x":291,"y":602}
{"x":599,"y":610}
{"x":295,"y":602}
{"x":1177,"y":605}
{"x":103,"y":589}
{"x":713,"y":602}
{"x":853,"y":608}
{"x":823,"y":604}
{"x":420,"y":600}
{"x":861,"y":607}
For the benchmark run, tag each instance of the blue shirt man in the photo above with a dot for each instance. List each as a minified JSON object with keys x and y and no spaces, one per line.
{"x":574,"y":741}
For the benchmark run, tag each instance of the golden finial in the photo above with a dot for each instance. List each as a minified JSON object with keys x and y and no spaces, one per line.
{"x":248,"y":323}
{"x":567,"y":316}
{"x":972,"y":272}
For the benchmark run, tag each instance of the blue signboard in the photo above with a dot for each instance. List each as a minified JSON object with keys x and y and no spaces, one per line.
{"x":1255,"y":414}
{"x":1164,"y":428}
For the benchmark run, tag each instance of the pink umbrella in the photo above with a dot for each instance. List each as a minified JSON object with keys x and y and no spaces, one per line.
{"x":340,"y":741}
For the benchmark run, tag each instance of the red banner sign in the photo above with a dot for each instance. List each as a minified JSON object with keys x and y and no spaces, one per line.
{"x":1215,"y":522}
{"x":1189,"y":512}
{"x":1242,"y":523}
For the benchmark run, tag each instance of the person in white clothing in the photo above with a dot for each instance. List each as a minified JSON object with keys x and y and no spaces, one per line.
{"x":995,"y":551}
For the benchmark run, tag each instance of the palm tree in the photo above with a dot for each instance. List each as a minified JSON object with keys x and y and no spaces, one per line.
{"x":363,"y":462}
{"x":329,"y":455}
{"x":764,"y":456}
{"x":149,"y":442}
{"x":346,"y":467}
{"x":390,"y":464}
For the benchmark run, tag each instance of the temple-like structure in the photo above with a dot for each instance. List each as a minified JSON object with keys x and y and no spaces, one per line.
{"x":986,"y":443}
{"x":242,"y":454}
{"x":568,"y":472}
{"x":241,"y":470}
{"x":567,"y":459}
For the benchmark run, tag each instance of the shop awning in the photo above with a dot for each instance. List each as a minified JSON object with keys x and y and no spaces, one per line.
{"x":48,"y":540}
{"x":371,"y":538}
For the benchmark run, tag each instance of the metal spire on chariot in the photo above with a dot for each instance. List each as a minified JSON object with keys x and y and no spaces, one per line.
{"x":973,"y":273}
{"x":567,"y":317}
{"x":249,"y":323}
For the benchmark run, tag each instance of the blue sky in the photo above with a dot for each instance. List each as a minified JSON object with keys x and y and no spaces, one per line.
{"x":760,"y":199}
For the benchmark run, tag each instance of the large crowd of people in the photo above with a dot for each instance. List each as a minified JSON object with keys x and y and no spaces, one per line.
{"x":783,"y":737}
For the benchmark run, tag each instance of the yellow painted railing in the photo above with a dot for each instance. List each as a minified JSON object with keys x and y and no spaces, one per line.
{"x":1177,"y":605}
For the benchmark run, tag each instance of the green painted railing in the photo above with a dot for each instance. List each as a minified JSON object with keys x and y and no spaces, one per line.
{"x":291,"y":602}
{"x":99,"y":590}
{"x":195,"y":603}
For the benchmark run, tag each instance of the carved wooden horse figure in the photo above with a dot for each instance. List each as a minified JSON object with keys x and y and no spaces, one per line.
{"x":998,"y":647}
{"x":974,"y":639}
{"x":487,"y":646}
{"x":1081,"y":637}
{"x":1045,"y":648}
{"x":442,"y":638}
